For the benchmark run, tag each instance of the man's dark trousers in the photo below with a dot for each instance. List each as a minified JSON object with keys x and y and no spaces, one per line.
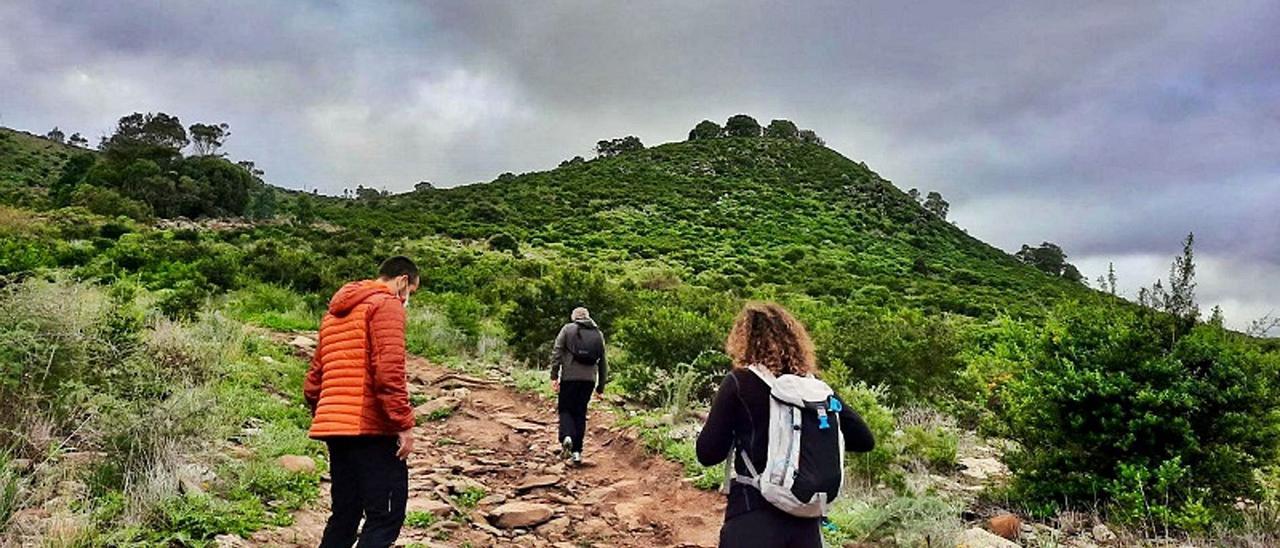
{"x":572,"y":405}
{"x":369,"y":482}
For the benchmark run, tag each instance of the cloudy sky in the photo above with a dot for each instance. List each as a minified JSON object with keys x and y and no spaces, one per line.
{"x":1111,"y":128}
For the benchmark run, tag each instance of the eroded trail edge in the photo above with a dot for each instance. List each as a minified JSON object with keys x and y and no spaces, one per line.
{"x":485,"y":466}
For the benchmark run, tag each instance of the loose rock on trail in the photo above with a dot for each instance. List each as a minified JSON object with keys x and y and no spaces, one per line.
{"x":499,"y":445}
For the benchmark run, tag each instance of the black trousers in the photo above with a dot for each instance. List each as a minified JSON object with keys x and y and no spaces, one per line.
{"x":770,"y":527}
{"x":572,"y":405}
{"x":369,"y":482}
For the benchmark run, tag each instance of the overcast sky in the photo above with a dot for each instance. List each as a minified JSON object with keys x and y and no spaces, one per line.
{"x":1110,"y":128}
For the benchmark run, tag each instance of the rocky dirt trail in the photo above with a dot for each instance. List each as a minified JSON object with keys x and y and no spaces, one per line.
{"x":502,"y":442}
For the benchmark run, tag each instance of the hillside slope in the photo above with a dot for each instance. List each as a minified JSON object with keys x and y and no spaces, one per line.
{"x":732,"y":214}
{"x":749,"y":215}
{"x":28,"y":165}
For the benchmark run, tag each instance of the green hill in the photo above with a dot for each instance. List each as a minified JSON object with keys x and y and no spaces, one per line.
{"x":743,"y":214}
{"x":28,"y":165}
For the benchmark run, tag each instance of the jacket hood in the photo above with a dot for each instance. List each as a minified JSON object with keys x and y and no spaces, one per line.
{"x":587,"y":323}
{"x":355,"y":293}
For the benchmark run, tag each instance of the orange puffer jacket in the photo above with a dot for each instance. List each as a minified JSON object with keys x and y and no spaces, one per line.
{"x":356,"y":385}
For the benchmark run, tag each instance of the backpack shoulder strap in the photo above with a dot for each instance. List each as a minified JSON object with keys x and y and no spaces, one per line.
{"x":764,"y":374}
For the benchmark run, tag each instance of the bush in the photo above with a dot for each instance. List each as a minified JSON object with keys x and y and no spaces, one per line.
{"x":1107,"y":408}
{"x":541,"y":307}
{"x":913,"y":355}
{"x":274,"y":307}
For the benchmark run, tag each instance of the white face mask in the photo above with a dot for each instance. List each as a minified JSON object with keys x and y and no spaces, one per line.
{"x":404,"y":299}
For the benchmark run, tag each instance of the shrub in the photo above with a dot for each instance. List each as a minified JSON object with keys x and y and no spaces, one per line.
{"x":1108,"y":408}
{"x":933,"y":446}
{"x":274,"y":307}
{"x":540,"y":308}
{"x":868,"y":402}
{"x":430,"y":333}
{"x":913,"y":355}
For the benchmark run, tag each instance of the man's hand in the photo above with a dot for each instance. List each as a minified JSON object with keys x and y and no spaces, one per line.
{"x":405,"y":440}
{"x":555,"y":386}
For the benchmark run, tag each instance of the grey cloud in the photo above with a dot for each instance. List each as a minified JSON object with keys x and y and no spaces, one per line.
{"x":1109,"y":128}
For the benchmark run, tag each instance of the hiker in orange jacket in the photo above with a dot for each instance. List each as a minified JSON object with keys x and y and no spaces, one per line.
{"x":359,"y":399}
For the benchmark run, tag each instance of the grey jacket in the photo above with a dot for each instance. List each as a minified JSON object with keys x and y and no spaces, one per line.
{"x":565,"y":368}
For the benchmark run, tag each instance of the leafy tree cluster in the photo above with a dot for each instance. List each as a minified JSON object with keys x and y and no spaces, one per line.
{"x":141,"y":172}
{"x":1049,"y":258}
{"x":608,"y":148}
{"x":933,"y":202}
{"x":742,"y":125}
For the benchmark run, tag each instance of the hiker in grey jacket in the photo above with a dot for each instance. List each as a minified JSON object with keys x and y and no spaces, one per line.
{"x":578,"y":366}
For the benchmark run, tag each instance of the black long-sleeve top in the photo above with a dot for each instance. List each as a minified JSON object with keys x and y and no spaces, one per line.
{"x":739,"y":418}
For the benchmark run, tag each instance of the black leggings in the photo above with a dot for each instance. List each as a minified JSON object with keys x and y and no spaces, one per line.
{"x":572,"y":405}
{"x":770,"y":527}
{"x":369,"y":482}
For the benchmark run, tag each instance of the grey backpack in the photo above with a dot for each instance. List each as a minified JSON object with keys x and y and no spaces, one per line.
{"x":805,"y":466}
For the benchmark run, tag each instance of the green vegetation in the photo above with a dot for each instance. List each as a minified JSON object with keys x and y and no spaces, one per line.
{"x":1140,"y":411}
{"x":137,"y":412}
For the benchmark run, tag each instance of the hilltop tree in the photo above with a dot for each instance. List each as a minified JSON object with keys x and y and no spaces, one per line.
{"x":423,"y":186}
{"x":782,"y":129}
{"x":55,"y":135}
{"x":613,"y":147}
{"x":368,"y":193}
{"x":206,"y":139}
{"x":811,"y":137}
{"x":936,"y":205}
{"x":77,"y":140}
{"x":1111,"y":278}
{"x":914,"y":194}
{"x":1050,"y":259}
{"x":251,"y":167}
{"x":741,"y":125}
{"x":158,"y":130}
{"x":706,"y":129}
{"x":576,"y":160}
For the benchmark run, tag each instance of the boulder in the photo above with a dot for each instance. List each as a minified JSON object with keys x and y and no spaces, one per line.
{"x":303,"y":342}
{"x":520,"y":514}
{"x":430,"y":506}
{"x":1006,"y":525}
{"x":981,"y":538}
{"x":297,"y":463}
{"x":539,"y":480}
{"x":555,"y":527}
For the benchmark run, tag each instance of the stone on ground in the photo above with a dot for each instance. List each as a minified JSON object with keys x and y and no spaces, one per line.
{"x":981,"y":538}
{"x":1006,"y":525}
{"x":437,"y":405}
{"x":430,"y":506}
{"x":520,"y":514}
{"x":297,"y":463}
{"x":982,"y":468}
{"x":540,"y":480}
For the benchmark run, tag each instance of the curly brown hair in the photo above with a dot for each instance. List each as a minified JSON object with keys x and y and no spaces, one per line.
{"x":766,"y":334}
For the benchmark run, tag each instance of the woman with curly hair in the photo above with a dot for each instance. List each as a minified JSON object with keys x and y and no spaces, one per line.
{"x":765,"y":337}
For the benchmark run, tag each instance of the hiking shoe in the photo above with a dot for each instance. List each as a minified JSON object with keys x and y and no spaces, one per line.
{"x":576,"y":458}
{"x":566,"y":447}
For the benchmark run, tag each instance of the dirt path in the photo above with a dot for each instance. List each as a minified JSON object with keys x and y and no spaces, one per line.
{"x":502,"y":441}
